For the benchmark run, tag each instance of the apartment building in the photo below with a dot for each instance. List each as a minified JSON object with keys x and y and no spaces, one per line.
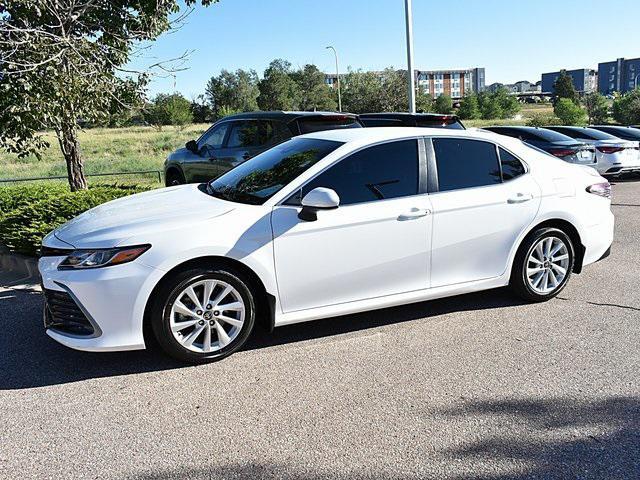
{"x":585,"y":80}
{"x":454,"y":83}
{"x":621,"y":75}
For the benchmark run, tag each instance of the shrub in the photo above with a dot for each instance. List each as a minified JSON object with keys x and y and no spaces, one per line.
{"x":569,"y":113}
{"x":443,"y":104}
{"x":626,"y":108}
{"x":28,"y":213}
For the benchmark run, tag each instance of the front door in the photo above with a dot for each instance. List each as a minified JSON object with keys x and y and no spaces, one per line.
{"x":485,"y":201}
{"x":203,"y":166}
{"x":375,"y":243}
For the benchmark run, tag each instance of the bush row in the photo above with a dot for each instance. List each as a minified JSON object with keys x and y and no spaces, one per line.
{"x":29,"y":212}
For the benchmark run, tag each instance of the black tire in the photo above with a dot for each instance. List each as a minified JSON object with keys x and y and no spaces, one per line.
{"x":166,"y":296}
{"x":519,"y":281}
{"x":173,"y":178}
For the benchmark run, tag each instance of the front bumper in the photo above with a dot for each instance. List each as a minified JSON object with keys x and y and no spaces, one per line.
{"x":112,"y":300}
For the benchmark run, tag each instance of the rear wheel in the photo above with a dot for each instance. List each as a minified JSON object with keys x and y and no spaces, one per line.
{"x":543,"y":265}
{"x":203,"y":315}
{"x":173,"y":178}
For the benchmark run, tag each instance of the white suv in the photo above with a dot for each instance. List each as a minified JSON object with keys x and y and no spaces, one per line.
{"x":324,"y":224}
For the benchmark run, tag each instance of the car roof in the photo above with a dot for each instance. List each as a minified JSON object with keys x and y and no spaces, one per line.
{"x":380,"y":134}
{"x":285,"y":115}
{"x":403,"y":115}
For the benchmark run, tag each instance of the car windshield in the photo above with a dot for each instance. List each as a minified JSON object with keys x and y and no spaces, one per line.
{"x":548,"y":135}
{"x":258,"y":179}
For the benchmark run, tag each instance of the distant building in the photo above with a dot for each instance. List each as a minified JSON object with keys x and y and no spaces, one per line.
{"x":620,"y":75}
{"x":584,"y":80}
{"x":455,"y":82}
{"x":494,"y":87}
{"x":522,"y":86}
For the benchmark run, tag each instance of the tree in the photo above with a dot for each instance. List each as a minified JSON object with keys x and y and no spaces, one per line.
{"x":626,"y":108}
{"x":424,"y":102}
{"x":200,"y":110}
{"x":568,"y":112}
{"x":597,"y":107}
{"x":315,"y":94}
{"x":63,"y":61}
{"x":394,"y":93}
{"x":361,"y":92}
{"x":443,"y":104}
{"x":563,"y":87}
{"x":236,"y":91}
{"x":509,"y":104}
{"x":278,"y":90}
{"x":489,"y":107}
{"x":469,"y":108}
{"x":169,"y":109}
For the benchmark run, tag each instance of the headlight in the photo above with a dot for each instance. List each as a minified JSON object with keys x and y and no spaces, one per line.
{"x":101,"y":257}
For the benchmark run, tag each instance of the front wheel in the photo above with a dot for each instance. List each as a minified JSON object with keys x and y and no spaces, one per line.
{"x":202,"y":315}
{"x":543,"y":265}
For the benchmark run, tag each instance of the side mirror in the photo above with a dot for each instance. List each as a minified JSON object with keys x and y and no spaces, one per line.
{"x":320,"y":198}
{"x":192,"y":146}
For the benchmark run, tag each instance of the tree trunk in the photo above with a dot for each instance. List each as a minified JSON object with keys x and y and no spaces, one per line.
{"x":68,"y":139}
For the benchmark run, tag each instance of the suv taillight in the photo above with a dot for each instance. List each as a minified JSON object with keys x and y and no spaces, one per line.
{"x":601,"y":189}
{"x":610,"y":149}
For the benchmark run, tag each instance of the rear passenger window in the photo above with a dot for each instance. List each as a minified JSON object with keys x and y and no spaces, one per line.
{"x":380,"y":172}
{"x":511,"y":166}
{"x":465,"y":163}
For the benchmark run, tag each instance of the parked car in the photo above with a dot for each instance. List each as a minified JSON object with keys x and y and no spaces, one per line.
{"x":321,"y":225}
{"x":614,"y":156}
{"x":433,"y":120}
{"x":558,"y":145}
{"x":237,"y":138}
{"x":626,"y":133}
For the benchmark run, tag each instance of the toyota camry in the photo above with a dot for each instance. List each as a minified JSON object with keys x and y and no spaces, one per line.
{"x":321,"y":225}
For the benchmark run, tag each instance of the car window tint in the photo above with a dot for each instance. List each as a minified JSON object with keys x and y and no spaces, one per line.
{"x":383,"y":171}
{"x":548,"y":135}
{"x":511,"y":166}
{"x":215,"y":137}
{"x":465,"y":163}
{"x":244,"y":134}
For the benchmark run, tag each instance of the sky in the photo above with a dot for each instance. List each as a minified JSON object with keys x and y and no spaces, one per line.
{"x":514,"y":40}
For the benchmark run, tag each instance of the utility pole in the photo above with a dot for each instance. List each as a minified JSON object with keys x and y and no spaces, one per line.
{"x":412,"y":80}
{"x":337,"y":78}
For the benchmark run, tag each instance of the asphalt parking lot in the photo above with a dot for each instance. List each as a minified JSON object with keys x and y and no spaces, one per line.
{"x":476,"y":386}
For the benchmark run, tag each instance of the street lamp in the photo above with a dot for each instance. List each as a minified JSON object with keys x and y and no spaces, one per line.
{"x":337,"y":77}
{"x":412,"y":85}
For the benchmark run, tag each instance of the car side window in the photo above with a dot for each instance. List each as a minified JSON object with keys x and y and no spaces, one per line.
{"x":511,"y":166}
{"x":215,"y":137}
{"x":244,"y":135}
{"x":465,"y":163}
{"x":389,"y":170}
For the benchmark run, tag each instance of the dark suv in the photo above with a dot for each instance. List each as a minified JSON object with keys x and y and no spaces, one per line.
{"x":431,"y":120}
{"x":237,"y":138}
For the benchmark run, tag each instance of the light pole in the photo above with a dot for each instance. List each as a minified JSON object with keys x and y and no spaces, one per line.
{"x":412,"y":80}
{"x":337,"y":77}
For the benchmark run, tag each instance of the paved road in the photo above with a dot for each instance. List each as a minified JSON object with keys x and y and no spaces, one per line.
{"x":477,"y":386}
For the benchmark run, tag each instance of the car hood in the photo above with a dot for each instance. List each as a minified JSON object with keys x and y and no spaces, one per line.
{"x":140,"y":215}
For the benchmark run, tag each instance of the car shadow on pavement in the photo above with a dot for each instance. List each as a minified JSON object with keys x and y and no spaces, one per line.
{"x":31,"y":359}
{"x":556,"y":438}
{"x":559,"y":438}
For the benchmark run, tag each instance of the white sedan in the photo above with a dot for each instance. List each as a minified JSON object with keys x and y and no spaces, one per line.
{"x":325,"y":224}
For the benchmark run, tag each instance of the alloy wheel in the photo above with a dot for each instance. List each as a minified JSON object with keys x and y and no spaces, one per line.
{"x":547,"y":265}
{"x":207,"y":316}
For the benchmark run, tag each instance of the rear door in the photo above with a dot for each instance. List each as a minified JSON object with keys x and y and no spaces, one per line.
{"x":480,"y":208}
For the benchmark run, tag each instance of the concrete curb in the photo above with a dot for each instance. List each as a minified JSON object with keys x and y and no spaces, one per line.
{"x":18,"y":271}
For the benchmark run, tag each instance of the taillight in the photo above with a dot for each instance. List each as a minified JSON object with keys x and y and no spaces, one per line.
{"x":562,"y":152}
{"x":601,"y":189}
{"x":610,"y":149}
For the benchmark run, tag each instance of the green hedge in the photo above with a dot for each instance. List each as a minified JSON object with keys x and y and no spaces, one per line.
{"x":29,"y":212}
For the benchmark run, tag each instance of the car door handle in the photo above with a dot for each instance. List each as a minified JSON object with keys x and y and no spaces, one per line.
{"x":414,"y":213}
{"x":520,"y":198}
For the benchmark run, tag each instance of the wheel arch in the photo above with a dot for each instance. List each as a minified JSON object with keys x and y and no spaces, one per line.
{"x":265,"y":302}
{"x":568,"y":228}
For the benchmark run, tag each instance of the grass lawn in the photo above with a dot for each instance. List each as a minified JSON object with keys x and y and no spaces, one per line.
{"x":145,"y":148}
{"x":105,"y":150}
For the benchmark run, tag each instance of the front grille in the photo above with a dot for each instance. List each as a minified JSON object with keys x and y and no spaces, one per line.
{"x":63,"y":314}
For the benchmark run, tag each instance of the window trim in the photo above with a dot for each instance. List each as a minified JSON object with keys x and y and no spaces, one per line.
{"x":422,"y":174}
{"x":432,"y":171}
